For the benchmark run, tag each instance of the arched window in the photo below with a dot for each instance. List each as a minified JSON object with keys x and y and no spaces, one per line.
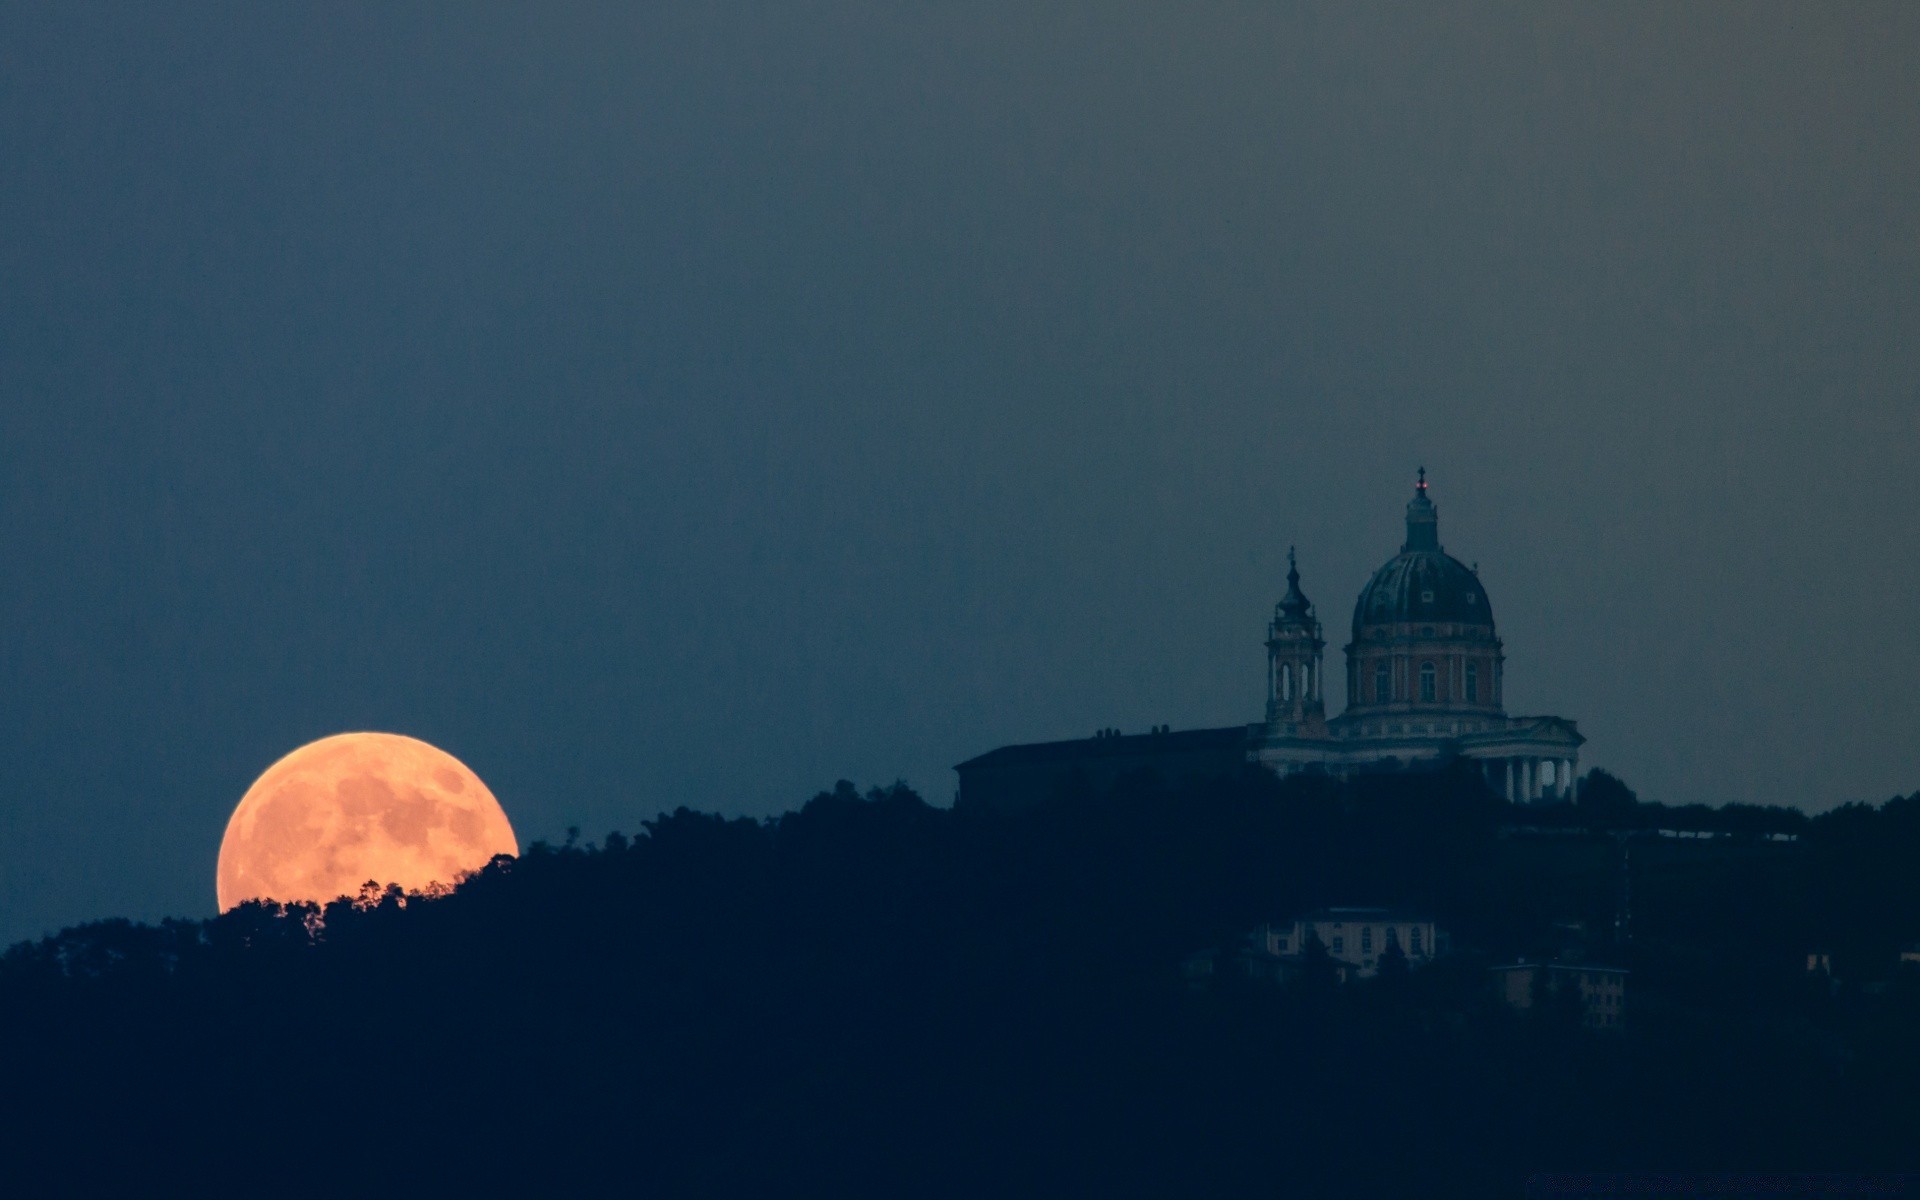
{"x":1382,"y":683}
{"x":1286,"y":681}
{"x":1473,"y":683}
{"x":1428,"y":676}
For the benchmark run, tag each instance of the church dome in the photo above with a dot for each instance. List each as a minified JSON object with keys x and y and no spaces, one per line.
{"x":1423,"y":584}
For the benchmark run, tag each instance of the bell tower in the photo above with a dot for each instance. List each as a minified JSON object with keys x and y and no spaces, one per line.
{"x":1294,"y":645}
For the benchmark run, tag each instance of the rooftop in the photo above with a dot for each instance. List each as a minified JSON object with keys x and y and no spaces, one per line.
{"x":1114,"y":744}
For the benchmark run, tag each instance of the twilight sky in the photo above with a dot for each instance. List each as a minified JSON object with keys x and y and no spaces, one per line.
{"x":688,"y":406}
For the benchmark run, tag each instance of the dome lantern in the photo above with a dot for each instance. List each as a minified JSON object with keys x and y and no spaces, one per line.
{"x":1423,"y":521}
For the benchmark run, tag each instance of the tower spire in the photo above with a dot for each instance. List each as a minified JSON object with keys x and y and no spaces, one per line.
{"x":1293,"y":660}
{"x":1295,"y":607}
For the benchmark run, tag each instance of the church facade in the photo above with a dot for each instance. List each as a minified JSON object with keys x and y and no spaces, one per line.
{"x":1424,"y":686}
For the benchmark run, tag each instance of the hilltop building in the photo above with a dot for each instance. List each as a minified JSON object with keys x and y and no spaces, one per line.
{"x":1424,"y":686}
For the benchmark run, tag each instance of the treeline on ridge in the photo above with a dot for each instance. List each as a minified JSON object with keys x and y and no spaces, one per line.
{"x":873,"y":996}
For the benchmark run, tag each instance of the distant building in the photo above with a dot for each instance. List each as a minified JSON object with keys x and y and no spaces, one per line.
{"x":1602,"y":991}
{"x":1425,"y":685}
{"x":1355,"y":940}
{"x":1357,"y":937}
{"x":1019,"y":776}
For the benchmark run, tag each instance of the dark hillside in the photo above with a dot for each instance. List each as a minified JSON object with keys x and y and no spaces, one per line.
{"x":873,"y":997}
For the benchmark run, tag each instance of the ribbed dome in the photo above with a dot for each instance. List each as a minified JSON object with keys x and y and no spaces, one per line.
{"x":1424,"y":583}
{"x":1422,"y":586}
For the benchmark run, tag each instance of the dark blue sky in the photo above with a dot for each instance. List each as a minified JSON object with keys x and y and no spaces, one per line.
{"x":677,"y":406}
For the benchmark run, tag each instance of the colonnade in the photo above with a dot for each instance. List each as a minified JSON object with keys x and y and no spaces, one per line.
{"x":1528,"y":780}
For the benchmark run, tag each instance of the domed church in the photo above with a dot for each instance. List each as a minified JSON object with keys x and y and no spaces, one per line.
{"x":1424,"y":678}
{"x":1424,"y":687}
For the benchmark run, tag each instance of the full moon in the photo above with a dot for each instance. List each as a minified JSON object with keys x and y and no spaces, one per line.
{"x":356,"y":807}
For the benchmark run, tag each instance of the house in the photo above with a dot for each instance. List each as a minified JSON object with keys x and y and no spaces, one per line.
{"x":1356,"y":938}
{"x":1602,"y":991}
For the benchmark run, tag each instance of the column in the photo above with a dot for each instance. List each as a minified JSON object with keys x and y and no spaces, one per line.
{"x":1566,"y":780}
{"x":1506,"y":789}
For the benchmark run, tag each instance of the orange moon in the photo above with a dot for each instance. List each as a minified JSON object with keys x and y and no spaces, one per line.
{"x":358,"y":806}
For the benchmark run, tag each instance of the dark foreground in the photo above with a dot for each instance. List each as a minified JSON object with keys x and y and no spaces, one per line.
{"x":875,"y":998}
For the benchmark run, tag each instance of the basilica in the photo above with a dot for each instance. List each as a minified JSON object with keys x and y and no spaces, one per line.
{"x":1423,"y":688}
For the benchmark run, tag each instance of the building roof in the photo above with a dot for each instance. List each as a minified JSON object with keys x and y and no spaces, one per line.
{"x":1294,"y":608}
{"x":1423,"y":582}
{"x":1534,"y":730}
{"x":1116,"y":745}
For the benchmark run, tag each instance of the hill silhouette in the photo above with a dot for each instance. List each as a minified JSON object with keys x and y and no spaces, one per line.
{"x":874,"y":997}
